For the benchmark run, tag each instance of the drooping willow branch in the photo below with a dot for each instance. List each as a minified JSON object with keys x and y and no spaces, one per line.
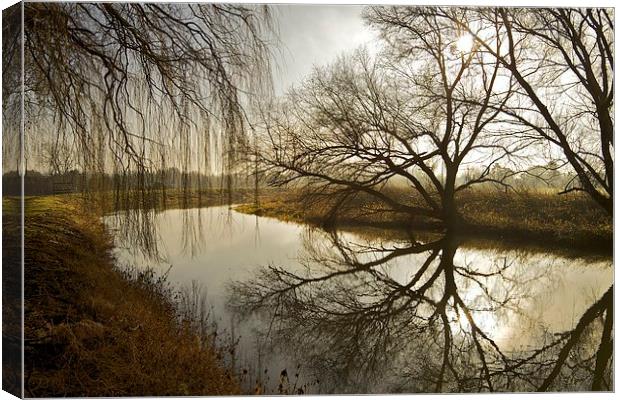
{"x":138,"y":87}
{"x":134,"y":98}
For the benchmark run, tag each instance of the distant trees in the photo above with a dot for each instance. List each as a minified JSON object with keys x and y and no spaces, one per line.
{"x":421,"y":113}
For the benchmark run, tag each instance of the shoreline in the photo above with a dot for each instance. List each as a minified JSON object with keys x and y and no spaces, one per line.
{"x":592,"y":233}
{"x":94,"y":330}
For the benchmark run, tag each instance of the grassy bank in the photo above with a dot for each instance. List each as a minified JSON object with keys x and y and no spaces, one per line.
{"x":91,"y":330}
{"x":542,"y":218}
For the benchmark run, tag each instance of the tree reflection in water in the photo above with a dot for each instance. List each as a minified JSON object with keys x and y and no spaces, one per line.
{"x":373,"y":324}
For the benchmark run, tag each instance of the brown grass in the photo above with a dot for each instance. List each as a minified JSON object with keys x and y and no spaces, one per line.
{"x":89,"y":331}
{"x":571,"y":220}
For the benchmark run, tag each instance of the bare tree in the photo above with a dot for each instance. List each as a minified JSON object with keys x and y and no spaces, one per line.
{"x":129,"y":90}
{"x":562,"y":61}
{"x":11,"y":84}
{"x":357,"y":125}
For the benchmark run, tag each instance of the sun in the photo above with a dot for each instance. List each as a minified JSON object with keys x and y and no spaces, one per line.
{"x":465,"y":43}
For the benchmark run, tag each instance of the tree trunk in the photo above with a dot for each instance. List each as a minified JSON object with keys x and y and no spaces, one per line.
{"x":450,"y":214}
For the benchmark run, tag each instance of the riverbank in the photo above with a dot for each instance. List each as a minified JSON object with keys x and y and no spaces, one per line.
{"x":548,"y":219}
{"x":91,"y":330}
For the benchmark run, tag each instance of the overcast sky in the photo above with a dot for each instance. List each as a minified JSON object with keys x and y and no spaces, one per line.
{"x":315,"y":35}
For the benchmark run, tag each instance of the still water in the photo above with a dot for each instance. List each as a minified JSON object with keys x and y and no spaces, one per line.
{"x":346,"y":312}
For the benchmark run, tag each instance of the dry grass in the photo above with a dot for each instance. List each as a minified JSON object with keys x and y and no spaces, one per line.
{"x":11,"y":299}
{"x":89,"y":331}
{"x":571,"y":220}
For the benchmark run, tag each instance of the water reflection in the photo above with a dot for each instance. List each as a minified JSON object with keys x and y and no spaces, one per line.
{"x":434,"y":323}
{"x":345,"y":312}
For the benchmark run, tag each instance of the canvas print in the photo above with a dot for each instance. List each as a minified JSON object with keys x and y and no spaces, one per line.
{"x":285,"y":199}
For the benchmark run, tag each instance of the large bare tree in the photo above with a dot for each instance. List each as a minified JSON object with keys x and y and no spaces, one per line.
{"x":421,"y":114}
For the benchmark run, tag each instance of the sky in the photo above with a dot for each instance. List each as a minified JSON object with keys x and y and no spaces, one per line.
{"x":315,"y":35}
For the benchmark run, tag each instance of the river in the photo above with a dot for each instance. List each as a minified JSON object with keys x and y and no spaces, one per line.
{"x":353,"y":312}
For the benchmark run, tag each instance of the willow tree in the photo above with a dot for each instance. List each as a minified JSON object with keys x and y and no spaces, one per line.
{"x":421,"y":112}
{"x":131,"y":89}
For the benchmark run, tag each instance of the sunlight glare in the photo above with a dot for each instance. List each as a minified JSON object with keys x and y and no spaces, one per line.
{"x":465,"y":43}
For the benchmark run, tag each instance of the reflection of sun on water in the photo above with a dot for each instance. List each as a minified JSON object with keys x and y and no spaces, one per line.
{"x":486,"y":320}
